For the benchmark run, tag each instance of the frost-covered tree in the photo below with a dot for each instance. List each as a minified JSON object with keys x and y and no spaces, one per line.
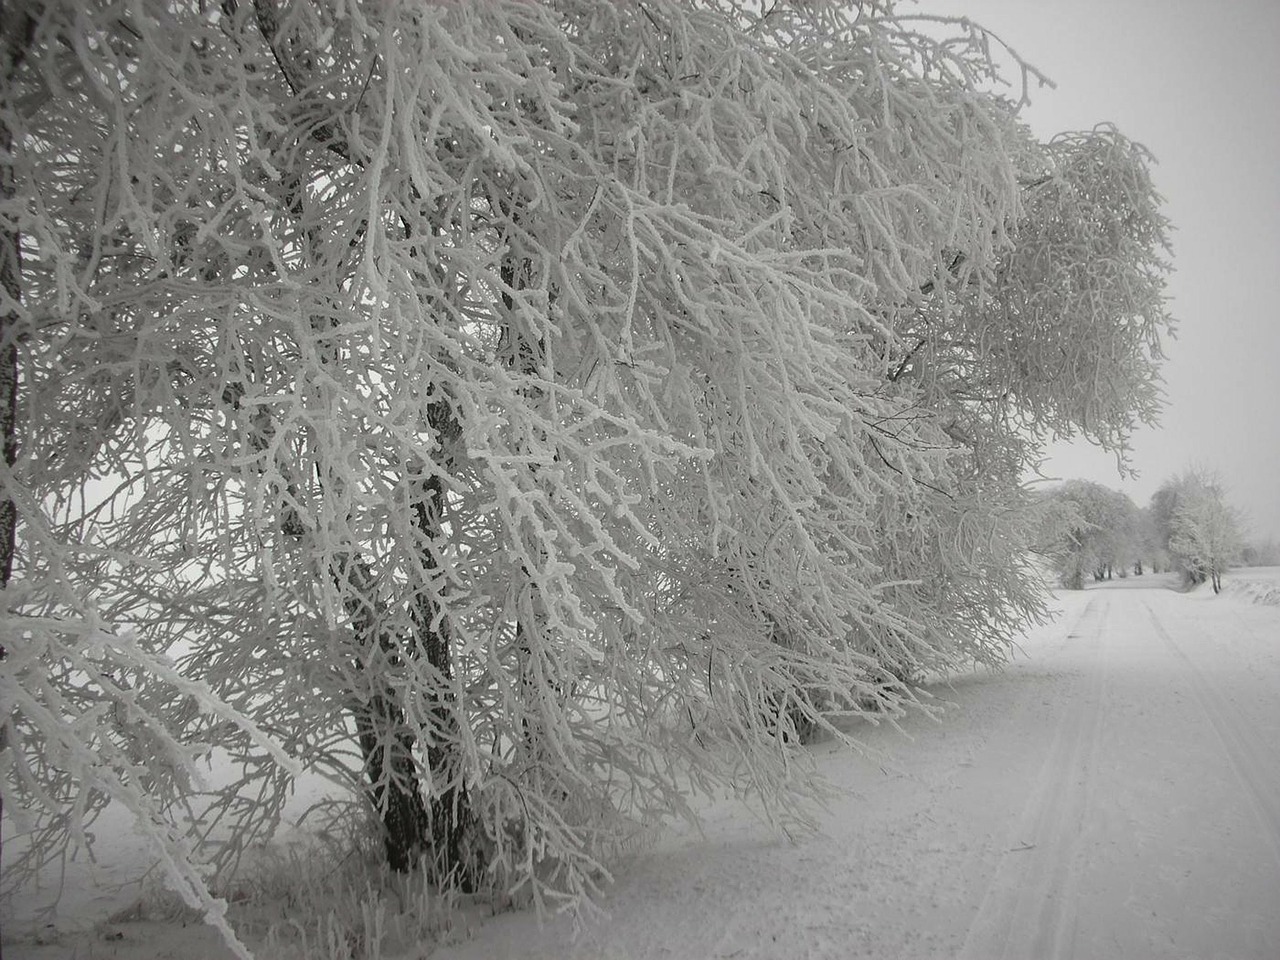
{"x":1203,"y":530}
{"x":522,"y":412}
{"x":1088,"y":530}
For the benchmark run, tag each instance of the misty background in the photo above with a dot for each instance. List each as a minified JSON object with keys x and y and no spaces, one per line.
{"x":1199,"y":86}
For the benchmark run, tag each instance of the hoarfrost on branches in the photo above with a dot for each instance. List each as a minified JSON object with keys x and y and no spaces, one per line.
{"x":525,"y":411}
{"x":1088,"y":531}
{"x":1198,"y":527}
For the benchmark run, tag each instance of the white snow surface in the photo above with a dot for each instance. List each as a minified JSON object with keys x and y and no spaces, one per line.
{"x":1257,"y":585}
{"x":1113,"y":793}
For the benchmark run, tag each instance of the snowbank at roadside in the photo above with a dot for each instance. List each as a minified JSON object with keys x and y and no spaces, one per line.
{"x":1254,"y":585}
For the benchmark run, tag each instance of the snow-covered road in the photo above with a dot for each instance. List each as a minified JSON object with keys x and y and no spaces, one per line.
{"x":1115,"y":793}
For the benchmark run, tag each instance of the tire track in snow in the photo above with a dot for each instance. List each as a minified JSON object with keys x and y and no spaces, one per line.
{"x":1252,"y":762}
{"x":1027,"y":910}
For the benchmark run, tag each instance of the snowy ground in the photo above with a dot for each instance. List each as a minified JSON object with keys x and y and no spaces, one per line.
{"x":1113,"y":793}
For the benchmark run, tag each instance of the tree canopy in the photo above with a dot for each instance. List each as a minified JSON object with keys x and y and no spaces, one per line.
{"x":1089,"y":531}
{"x":1196,"y":526}
{"x":523,"y":412}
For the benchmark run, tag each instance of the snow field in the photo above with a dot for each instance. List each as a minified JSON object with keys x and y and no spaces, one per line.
{"x":1115,"y":792}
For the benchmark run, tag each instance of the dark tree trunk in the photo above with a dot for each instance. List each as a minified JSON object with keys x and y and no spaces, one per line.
{"x":386,"y":742}
{"x":450,"y":820}
{"x":10,"y":266}
{"x":11,"y":282}
{"x":16,"y":32}
{"x":523,"y":352}
{"x":387,"y":745}
{"x":412,"y":828}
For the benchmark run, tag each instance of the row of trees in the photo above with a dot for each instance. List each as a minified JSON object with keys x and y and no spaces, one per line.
{"x":1088,"y":530}
{"x":521,"y":412}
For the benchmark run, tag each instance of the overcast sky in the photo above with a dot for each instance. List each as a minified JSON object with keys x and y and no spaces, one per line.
{"x":1199,"y":85}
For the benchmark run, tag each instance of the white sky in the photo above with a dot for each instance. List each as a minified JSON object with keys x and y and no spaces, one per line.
{"x":1199,"y":85}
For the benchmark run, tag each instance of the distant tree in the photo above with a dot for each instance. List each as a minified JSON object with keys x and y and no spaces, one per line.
{"x":1164,"y":503}
{"x":462,"y":400}
{"x":1150,"y":550}
{"x":1061,"y":534}
{"x":1201,"y":531}
{"x":1089,"y":530}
